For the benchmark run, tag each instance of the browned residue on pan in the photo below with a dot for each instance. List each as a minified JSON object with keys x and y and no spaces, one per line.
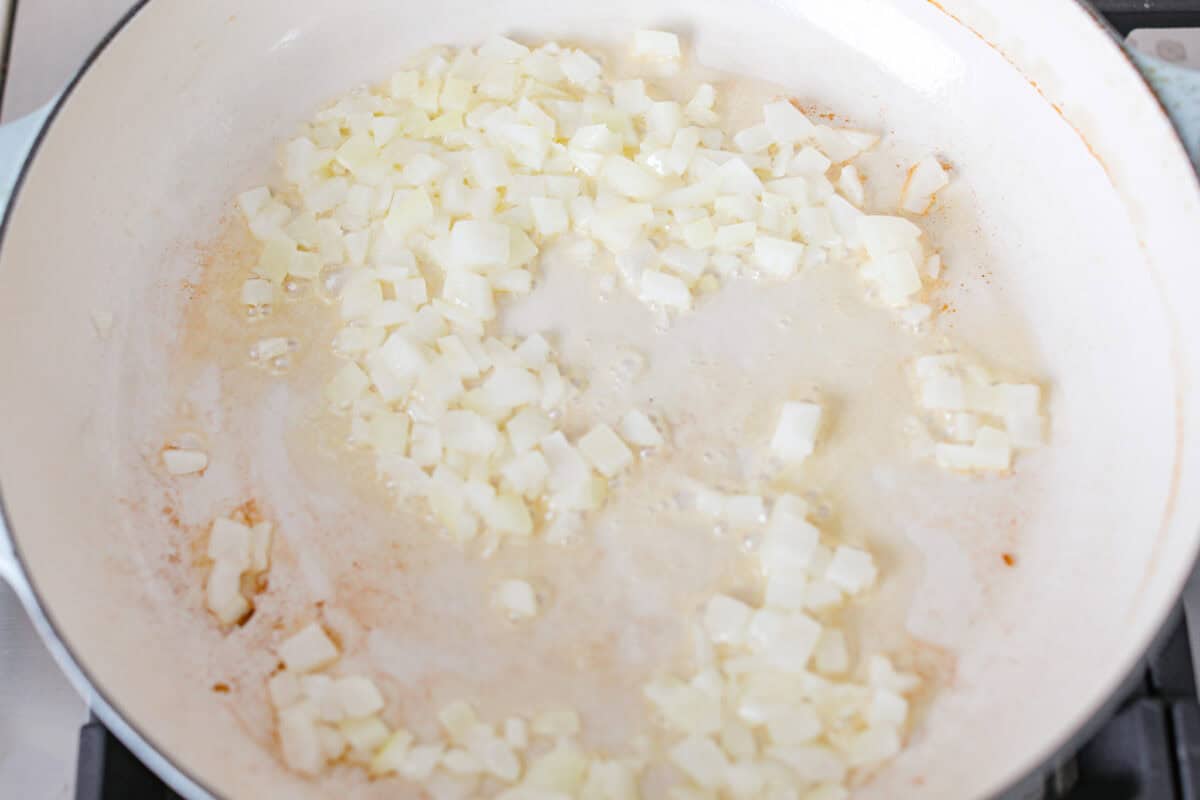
{"x":1034,"y":84}
{"x":212,"y":330}
{"x":936,"y":666}
{"x":819,"y":112}
{"x":1181,"y":387}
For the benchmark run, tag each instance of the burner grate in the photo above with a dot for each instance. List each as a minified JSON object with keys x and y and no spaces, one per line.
{"x":1128,"y":15}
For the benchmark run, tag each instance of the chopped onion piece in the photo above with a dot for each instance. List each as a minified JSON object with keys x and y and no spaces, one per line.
{"x":184,"y":462}
{"x":788,"y":545}
{"x":284,"y":689}
{"x":261,"y":549}
{"x":815,"y":762}
{"x":257,"y":292}
{"x":786,"y":591}
{"x":744,"y":510}
{"x":786,"y":124}
{"x":561,"y":770}
{"x":470,"y":292}
{"x":630,"y":179}
{"x":637,"y":429}
{"x":508,"y":514}
{"x":754,"y":139}
{"x":701,"y":760}
{"x":458,"y":718}
{"x":251,"y":202}
{"x":393,"y":754}
{"x":657,"y":45}
{"x":735,"y":236}
{"x":726,"y":619}
{"x":796,"y":725}
{"x":223,"y":593}
{"x":517,"y":599}
{"x":516,"y":733}
{"x":468,"y":432}
{"x":690,"y":709}
{"x":347,"y":386}
{"x":308,"y":649}
{"x":785,"y":640}
{"x":527,"y":428}
{"x":777,"y":257}
{"x":232,"y":543}
{"x":796,"y":432}
{"x":550,"y":215}
{"x":365,"y":734}
{"x":605,"y":450}
{"x":273,"y":347}
{"x":852,"y":570}
{"x":832,"y":656}
{"x":477,"y":243}
{"x":665,"y":290}
{"x":299,"y":741}
{"x":925,"y":179}
{"x":102,"y":323}
{"x":421,"y":761}
{"x":357,"y":696}
{"x":990,"y":451}
{"x":873,"y":746}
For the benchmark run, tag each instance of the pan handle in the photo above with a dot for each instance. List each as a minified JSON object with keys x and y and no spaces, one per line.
{"x":10,"y":570}
{"x":16,"y":140}
{"x":1178,"y":89}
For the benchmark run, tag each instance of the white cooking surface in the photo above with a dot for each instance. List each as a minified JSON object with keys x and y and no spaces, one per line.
{"x":40,"y":714}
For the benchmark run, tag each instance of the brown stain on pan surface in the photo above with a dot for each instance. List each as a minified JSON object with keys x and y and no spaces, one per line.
{"x":1034,"y":84}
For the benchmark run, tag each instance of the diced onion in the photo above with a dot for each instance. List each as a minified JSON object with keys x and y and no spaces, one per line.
{"x":701,"y":760}
{"x":777,"y":257}
{"x":299,"y":741}
{"x":659,"y":45}
{"x":726,"y":619}
{"x":223,"y":593}
{"x":796,"y":432}
{"x":925,"y":179}
{"x":184,"y":462}
{"x":517,"y":599}
{"x":983,"y":420}
{"x":852,"y":570}
{"x":637,"y":428}
{"x":461,"y":172}
{"x":231,"y":542}
{"x":308,"y":649}
{"x":786,"y":124}
{"x":665,"y":290}
{"x":357,"y":696}
{"x":605,"y":450}
{"x":393,"y":755}
{"x":365,"y":734}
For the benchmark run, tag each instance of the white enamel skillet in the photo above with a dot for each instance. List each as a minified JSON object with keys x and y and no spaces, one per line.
{"x":1084,"y":207}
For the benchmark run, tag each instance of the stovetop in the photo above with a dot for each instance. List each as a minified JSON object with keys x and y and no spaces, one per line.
{"x":1148,"y":750}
